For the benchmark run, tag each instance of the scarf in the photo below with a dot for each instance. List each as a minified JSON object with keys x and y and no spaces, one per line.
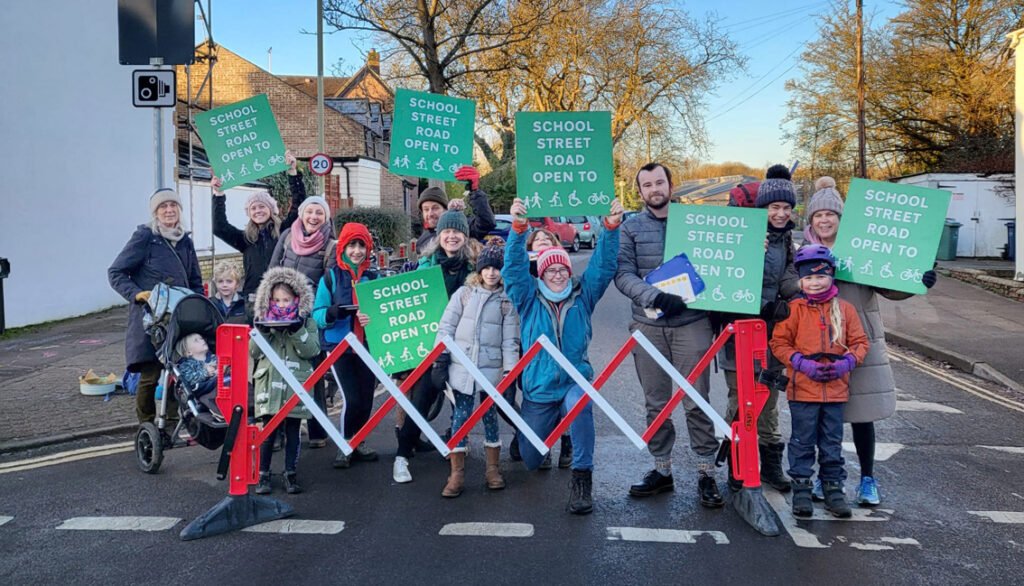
{"x":455,"y":268}
{"x":305,"y":245}
{"x":551,"y":295}
{"x":824,"y":296}
{"x":172,"y":234}
{"x":289,"y":313}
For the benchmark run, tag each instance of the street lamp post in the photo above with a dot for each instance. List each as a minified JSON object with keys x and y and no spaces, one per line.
{"x":1016,"y":42}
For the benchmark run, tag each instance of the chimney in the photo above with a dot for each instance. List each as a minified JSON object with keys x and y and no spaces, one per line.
{"x":373,"y":61}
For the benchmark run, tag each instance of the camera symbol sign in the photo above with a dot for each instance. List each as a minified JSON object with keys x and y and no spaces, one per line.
{"x":321,"y":164}
{"x":153,"y":88}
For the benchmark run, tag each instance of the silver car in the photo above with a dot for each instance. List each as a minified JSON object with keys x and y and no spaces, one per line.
{"x":588,"y":228}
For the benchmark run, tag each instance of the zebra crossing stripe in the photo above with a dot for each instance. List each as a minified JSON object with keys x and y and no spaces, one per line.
{"x":663,"y":535}
{"x":119,"y":523}
{"x":487,"y":530}
{"x":298,"y":527}
{"x":1001,"y":516}
{"x":926,"y":406}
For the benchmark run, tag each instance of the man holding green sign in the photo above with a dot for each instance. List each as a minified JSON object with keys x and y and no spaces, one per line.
{"x":242,"y":141}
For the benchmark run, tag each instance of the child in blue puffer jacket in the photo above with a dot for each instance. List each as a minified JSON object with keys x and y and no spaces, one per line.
{"x":559,"y":306}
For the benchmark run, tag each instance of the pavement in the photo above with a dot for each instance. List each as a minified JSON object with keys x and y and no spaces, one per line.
{"x":970,"y":328}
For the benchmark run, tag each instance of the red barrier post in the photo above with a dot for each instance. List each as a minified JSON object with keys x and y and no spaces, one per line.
{"x":751,"y":396}
{"x":233,"y":359}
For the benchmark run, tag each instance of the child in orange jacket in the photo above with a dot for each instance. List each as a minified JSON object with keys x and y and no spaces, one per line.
{"x":820,"y":342}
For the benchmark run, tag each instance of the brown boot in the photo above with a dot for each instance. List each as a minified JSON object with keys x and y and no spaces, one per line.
{"x":493,"y":472}
{"x":457,"y":477}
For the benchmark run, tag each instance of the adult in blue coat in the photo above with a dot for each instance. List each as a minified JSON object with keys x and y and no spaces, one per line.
{"x":559,"y":306}
{"x":158,"y":252}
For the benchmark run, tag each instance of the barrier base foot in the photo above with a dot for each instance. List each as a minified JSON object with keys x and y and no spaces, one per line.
{"x":234,"y":513}
{"x":755,"y":510}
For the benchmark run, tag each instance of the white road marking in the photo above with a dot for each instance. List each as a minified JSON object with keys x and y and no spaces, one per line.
{"x":883,"y":451}
{"x":961,"y":384}
{"x":926,"y":406}
{"x":663,"y":535}
{"x":801,"y":537}
{"x":119,"y":523}
{"x":488,"y":529}
{"x":870,"y":546}
{"x":1007,"y":449}
{"x":1001,"y":516}
{"x":65,"y":457}
{"x":298,"y":526}
{"x":901,"y":541}
{"x":5,"y":519}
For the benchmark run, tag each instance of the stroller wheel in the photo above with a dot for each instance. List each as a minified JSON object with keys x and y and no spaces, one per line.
{"x":149,"y":449}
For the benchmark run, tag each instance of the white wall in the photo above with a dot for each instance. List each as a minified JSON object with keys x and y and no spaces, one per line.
{"x":78,"y":157}
{"x":365,"y":181}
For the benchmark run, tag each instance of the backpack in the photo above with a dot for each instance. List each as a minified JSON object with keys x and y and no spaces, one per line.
{"x":744,"y":195}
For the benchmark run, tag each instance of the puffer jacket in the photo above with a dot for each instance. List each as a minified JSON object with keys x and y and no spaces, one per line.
{"x":567,"y":326}
{"x":295,"y":349}
{"x":337,"y":287}
{"x":312,"y":265}
{"x":485,"y":326}
{"x":641,"y":251}
{"x":808,"y":332}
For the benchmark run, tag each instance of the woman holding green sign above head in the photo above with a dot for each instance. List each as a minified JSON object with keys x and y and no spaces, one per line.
{"x":872,"y":388}
{"x":559,"y":306}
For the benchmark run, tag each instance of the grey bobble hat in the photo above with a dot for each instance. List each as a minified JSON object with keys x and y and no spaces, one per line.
{"x":454,"y":220}
{"x":825,"y":199}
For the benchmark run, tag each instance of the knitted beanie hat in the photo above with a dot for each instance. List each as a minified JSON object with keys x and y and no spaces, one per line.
{"x":264,"y":198}
{"x":493,"y":255}
{"x":162,"y":196}
{"x":825,"y":199}
{"x":435,"y":194}
{"x":554,"y":255}
{"x":777,"y":186}
{"x":314,"y":199}
{"x":454,"y":220}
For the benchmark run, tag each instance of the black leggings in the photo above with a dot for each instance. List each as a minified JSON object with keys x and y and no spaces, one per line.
{"x":320,"y":397}
{"x":864,"y":440}
{"x":424,"y":393}
{"x":357,"y":384}
{"x":291,"y":427}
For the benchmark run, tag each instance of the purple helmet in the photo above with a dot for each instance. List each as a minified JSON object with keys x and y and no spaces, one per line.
{"x":814,"y":258}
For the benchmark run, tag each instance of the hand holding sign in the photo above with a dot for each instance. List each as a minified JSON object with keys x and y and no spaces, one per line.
{"x":615,"y":217}
{"x":215,"y":186}
{"x":292,"y":162}
{"x":518,"y":211}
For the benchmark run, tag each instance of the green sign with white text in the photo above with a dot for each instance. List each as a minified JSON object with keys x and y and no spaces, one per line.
{"x":242,"y":141}
{"x":889,"y":234}
{"x":564,"y":163}
{"x":726,"y":246}
{"x":404,"y":312}
{"x":432,"y":134}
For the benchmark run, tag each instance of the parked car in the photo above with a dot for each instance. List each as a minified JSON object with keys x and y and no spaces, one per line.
{"x":566,"y":232}
{"x":588,"y":228}
{"x":502,"y":224}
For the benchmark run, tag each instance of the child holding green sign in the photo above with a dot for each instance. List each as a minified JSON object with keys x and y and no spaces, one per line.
{"x":559,"y":306}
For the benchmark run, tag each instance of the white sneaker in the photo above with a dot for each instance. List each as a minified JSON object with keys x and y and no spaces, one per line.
{"x":400,"y":472}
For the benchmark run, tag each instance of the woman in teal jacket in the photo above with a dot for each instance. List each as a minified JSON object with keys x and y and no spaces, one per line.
{"x":559,"y":306}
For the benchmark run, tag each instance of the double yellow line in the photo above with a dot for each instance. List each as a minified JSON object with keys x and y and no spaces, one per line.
{"x":66,"y":457}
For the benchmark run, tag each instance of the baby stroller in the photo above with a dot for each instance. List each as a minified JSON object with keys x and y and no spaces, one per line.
{"x":171,"y":314}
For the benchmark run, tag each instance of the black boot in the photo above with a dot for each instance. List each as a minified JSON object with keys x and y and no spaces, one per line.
{"x":513,"y":450}
{"x":733,"y":484}
{"x":654,"y":482}
{"x":263,"y":487}
{"x":565,"y":452}
{"x":803,"y":506}
{"x":580,"y":486}
{"x":771,"y":466}
{"x":291,"y":483}
{"x":708,"y":490}
{"x":835,"y":500}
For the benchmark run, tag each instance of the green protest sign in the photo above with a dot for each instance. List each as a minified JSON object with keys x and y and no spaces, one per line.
{"x":242,"y":141}
{"x":404,"y":313}
{"x":432,"y":135}
{"x":889,"y":234}
{"x":726,"y":246}
{"x":564,"y":163}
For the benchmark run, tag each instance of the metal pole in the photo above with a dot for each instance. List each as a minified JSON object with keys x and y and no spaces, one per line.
{"x":1016,"y":42}
{"x":158,"y":135}
{"x":320,"y":87}
{"x":862,"y":164}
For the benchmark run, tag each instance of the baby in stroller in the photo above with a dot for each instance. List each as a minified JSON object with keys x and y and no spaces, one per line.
{"x":197,"y":367}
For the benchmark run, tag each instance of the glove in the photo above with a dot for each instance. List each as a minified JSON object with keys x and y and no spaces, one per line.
{"x":775,"y":311}
{"x":439,"y":372}
{"x":336,"y":312}
{"x":671,"y":305}
{"x":295,"y":327}
{"x":142,"y":296}
{"x":844,"y":365}
{"x":813,"y":369}
{"x":470,"y":175}
{"x":929,"y":278}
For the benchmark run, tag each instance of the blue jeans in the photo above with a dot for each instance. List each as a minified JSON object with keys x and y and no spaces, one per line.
{"x":463,"y":409}
{"x":542,"y":419}
{"x":817,"y":425}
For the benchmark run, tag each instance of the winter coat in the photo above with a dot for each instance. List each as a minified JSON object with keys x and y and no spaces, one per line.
{"x":192,"y":371}
{"x":234,"y":313}
{"x":337,"y":287}
{"x":148,"y":259}
{"x":480,"y":223}
{"x":641,"y":251}
{"x":807,"y":331}
{"x":312,"y":265}
{"x":255,"y":255}
{"x":567,"y":325}
{"x":872,"y":388}
{"x":296,"y":350}
{"x":486,"y":327}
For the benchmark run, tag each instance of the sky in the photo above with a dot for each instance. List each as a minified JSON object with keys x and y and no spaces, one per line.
{"x":743,"y":118}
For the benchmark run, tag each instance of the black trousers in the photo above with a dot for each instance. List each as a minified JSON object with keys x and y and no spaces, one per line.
{"x":357,"y":385}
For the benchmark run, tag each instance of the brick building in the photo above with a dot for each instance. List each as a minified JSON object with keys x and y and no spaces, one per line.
{"x":357,"y":122}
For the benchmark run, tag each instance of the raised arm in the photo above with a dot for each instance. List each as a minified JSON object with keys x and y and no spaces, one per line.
{"x":222,"y":229}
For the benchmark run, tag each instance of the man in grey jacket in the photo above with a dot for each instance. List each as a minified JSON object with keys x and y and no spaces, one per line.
{"x":681,"y":334}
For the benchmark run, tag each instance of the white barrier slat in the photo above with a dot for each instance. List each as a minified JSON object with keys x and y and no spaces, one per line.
{"x":493,"y":393}
{"x":392,"y":388}
{"x":300,"y":391}
{"x":591,"y":392}
{"x":681,"y":381}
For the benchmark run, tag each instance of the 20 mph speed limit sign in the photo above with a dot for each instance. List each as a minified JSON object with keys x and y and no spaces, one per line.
{"x":321,"y":164}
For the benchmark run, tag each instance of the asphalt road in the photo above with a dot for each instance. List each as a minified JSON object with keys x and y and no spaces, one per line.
{"x":949,"y":466}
